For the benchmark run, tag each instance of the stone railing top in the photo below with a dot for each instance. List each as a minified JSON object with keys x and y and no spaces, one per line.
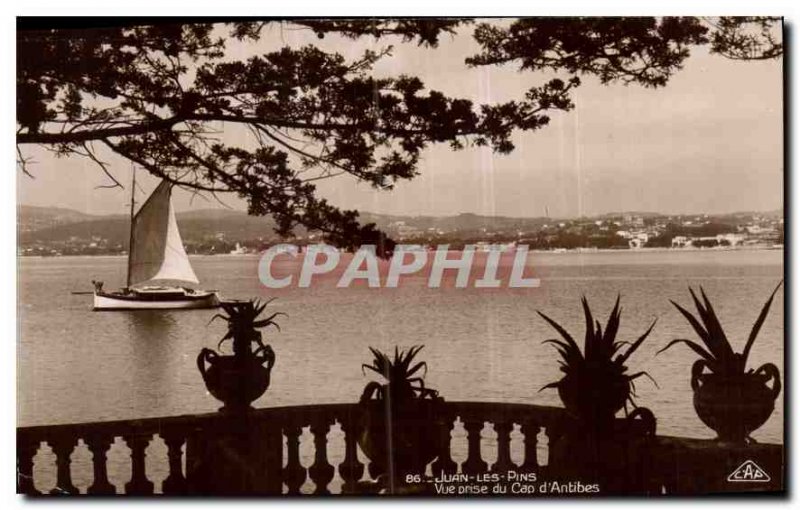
{"x":302,"y":414}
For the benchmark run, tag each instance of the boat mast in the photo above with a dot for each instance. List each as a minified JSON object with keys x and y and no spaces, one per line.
{"x":130,"y":239}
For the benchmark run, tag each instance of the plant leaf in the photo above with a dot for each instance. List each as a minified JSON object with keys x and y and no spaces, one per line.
{"x":698,"y":328}
{"x":548,"y":386}
{"x":612,"y":328}
{"x":642,"y":373}
{"x":714,"y":328}
{"x":560,"y":331}
{"x":588,"y":343}
{"x":757,"y":326}
{"x":693,"y":346}
{"x":570,"y":354}
{"x":416,"y":367}
{"x":625,"y":355}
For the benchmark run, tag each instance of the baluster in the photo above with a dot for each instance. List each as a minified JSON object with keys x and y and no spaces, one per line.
{"x":139,"y":484}
{"x":474,"y":463}
{"x":175,"y":482}
{"x":321,"y":471}
{"x":63,"y":448}
{"x":504,"y":462}
{"x":99,"y":444}
{"x":351,"y":469}
{"x":531,"y":462}
{"x":445,"y":463}
{"x":294,"y":474}
{"x":26,"y":451}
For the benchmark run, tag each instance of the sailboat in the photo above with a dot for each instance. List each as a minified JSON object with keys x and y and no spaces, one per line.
{"x":158,"y":266}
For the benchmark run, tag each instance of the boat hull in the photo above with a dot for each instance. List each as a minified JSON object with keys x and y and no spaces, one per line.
{"x":137,"y":300}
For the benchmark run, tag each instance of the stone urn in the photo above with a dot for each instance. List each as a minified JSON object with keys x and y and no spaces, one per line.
{"x":592,"y":399}
{"x":400,"y":439}
{"x":234,"y":380}
{"x":736,"y":405}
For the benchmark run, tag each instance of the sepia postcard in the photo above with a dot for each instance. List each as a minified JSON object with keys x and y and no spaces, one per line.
{"x":533,"y":257}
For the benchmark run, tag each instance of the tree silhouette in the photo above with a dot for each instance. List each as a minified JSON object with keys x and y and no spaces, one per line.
{"x":156,"y":93}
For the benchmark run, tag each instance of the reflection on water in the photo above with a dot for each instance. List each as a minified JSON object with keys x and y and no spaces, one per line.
{"x":152,"y":333}
{"x":76,"y":365}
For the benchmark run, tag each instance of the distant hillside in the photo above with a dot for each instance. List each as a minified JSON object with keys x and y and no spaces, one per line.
{"x":643,"y":214}
{"x":194,"y":226}
{"x":30,"y":218}
{"x":233,"y":225}
{"x":464,"y":222}
{"x":51,"y":224}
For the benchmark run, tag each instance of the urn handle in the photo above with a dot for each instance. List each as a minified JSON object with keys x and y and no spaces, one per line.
{"x":697,"y":371}
{"x":646,"y":418}
{"x":770,"y":371}
{"x":205,"y":355}
{"x":265,"y":353}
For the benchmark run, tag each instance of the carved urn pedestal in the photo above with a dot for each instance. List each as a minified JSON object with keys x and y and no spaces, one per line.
{"x":235,"y":454}
{"x":618,"y":459}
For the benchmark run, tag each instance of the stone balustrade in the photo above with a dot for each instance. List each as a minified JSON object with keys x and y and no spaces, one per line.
{"x":681,"y":464}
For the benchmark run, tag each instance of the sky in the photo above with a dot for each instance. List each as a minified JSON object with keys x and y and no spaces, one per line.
{"x":711,"y":141}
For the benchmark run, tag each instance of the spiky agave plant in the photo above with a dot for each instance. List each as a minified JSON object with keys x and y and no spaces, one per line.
{"x":718,"y":356}
{"x":596,"y":384}
{"x":401,"y":382}
{"x":400,"y":420}
{"x":243,"y":325}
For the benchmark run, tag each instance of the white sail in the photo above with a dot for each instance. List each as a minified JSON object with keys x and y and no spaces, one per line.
{"x":157,"y":251}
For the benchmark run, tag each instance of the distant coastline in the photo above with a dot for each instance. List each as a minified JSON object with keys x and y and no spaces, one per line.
{"x":59,"y":232}
{"x":558,"y":251}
